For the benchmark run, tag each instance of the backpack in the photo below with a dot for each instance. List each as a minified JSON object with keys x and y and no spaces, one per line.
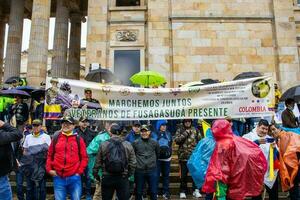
{"x":115,"y":159}
{"x":54,"y":140}
{"x":165,"y":151}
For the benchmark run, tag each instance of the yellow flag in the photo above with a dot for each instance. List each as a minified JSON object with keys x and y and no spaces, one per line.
{"x":205,"y":127}
{"x":271,"y":157}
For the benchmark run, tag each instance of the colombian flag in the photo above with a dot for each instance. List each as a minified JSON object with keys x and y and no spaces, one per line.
{"x":205,"y":127}
{"x":52,"y":111}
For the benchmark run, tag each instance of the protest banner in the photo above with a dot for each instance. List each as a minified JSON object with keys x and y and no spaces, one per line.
{"x":241,"y":98}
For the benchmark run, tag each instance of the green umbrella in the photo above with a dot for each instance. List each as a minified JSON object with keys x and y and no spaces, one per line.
{"x":148,"y":78}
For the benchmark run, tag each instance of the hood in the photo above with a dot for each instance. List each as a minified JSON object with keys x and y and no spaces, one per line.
{"x":221,"y":129}
{"x":159,"y":123}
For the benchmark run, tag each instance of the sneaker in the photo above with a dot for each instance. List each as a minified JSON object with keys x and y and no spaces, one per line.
{"x":182,"y":195}
{"x":166,"y":196}
{"x":197,"y":194}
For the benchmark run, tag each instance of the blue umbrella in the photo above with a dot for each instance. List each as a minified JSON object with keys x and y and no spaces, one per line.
{"x":27,"y":88}
{"x":15,"y":92}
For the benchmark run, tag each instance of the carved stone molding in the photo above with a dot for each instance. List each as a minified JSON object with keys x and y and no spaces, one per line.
{"x":127,"y":35}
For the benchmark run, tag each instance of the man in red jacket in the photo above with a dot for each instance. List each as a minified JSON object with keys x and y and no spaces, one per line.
{"x":66,"y":161}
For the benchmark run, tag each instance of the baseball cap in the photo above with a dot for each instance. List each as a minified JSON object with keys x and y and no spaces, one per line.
{"x":145,"y":127}
{"x":82,"y":119}
{"x":71,"y":120}
{"x":136,"y":123}
{"x":37,"y":122}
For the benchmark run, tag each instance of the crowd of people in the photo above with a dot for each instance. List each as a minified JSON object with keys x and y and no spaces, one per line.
{"x":137,"y":163}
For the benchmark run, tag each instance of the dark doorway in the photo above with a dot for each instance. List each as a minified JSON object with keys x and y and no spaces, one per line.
{"x":126,"y":63}
{"x":128,"y":3}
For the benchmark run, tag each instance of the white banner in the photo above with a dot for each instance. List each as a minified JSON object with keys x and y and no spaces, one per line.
{"x":241,"y":98}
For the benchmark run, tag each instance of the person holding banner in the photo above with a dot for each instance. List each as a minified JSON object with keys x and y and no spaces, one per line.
{"x":289,"y":156}
{"x":260,"y":136}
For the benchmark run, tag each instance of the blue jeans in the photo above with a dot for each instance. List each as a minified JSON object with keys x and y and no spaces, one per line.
{"x":69,"y":185}
{"x":5,"y":189}
{"x":19,"y":182}
{"x":35,"y":191}
{"x":163,"y":168}
{"x":151,"y":179}
{"x":88,"y":184}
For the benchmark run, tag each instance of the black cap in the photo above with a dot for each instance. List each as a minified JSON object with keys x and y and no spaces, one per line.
{"x":82,"y":119}
{"x":136,"y":123}
{"x":68,"y":119}
{"x":115,"y":129}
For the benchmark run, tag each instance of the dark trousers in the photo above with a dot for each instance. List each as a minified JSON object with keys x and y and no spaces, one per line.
{"x":151,"y":179}
{"x":110,"y":184}
{"x":86,"y":188}
{"x":184,"y":177}
{"x":294,"y":191}
{"x":35,"y":190}
{"x":19,"y":182}
{"x":273,"y":192}
{"x":209,"y":196}
{"x":163,"y":168}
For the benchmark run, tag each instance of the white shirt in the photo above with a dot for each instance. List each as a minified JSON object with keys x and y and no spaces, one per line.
{"x":252,"y":136}
{"x":31,"y":140}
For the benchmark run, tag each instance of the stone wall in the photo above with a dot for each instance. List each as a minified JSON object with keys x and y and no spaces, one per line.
{"x":221,"y":50}
{"x":187,"y":40}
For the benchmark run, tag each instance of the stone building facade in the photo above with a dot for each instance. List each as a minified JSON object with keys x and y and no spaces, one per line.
{"x":185,"y":40}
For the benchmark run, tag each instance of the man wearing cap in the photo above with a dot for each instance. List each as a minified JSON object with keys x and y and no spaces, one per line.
{"x":134,"y":134}
{"x":87,"y":135}
{"x":66,"y":161}
{"x":116,"y":159}
{"x":89,"y":96}
{"x":35,"y":147}
{"x":52,"y":92}
{"x":147,"y":153}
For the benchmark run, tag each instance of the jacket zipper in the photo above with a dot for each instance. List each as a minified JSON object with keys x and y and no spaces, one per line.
{"x":65,"y":159}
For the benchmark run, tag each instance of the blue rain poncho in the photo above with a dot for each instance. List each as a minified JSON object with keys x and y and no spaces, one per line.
{"x":199,"y":160}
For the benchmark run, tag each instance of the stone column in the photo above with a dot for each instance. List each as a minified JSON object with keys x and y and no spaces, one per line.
{"x":14,"y":40}
{"x":288,"y":71}
{"x":96,"y":46}
{"x":60,"y":47}
{"x":38,"y":45}
{"x":73,"y":71}
{"x":2,"y":34}
{"x":159,"y":58}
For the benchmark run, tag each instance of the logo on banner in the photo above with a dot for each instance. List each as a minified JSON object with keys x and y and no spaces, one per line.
{"x":261,"y":88}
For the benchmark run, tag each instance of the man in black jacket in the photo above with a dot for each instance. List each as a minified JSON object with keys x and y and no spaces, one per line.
{"x":147,"y":152}
{"x":8,"y":134}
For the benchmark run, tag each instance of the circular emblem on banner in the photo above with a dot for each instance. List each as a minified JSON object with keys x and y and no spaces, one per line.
{"x":261,"y":88}
{"x":156,"y":93}
{"x":194,"y":90}
{"x":141,"y":92}
{"x":124,"y":91}
{"x":175,"y":91}
{"x":106,"y":89}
